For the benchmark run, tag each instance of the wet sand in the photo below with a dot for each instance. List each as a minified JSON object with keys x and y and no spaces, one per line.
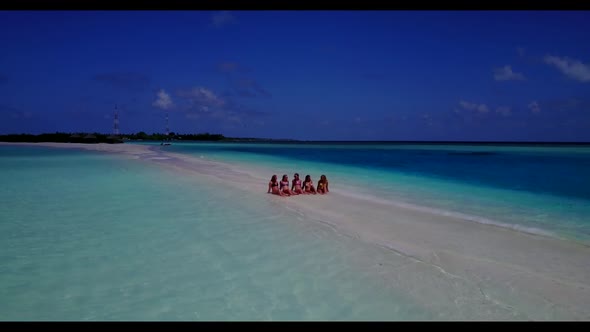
{"x":530,"y":277}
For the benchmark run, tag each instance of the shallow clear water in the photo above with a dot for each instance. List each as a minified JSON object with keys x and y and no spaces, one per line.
{"x":88,"y":236}
{"x":539,"y":189}
{"x":91,"y":236}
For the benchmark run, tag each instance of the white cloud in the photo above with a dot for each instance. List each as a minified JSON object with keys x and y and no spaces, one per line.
{"x":534,"y":107}
{"x":202,"y":102}
{"x":234,"y":117}
{"x":163,"y":102}
{"x":427,"y":118}
{"x":202,"y":97}
{"x":506,"y":74}
{"x":480,"y":108}
{"x":573,"y":68}
{"x":504,"y":110}
{"x":227,"y":67}
{"x":222,"y":18}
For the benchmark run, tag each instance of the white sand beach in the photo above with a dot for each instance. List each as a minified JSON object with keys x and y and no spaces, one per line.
{"x":533,"y":277}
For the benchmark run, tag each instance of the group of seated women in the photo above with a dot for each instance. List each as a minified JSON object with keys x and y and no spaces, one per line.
{"x":282,"y":188}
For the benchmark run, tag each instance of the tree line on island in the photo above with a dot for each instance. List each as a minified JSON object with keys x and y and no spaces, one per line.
{"x":59,"y":137}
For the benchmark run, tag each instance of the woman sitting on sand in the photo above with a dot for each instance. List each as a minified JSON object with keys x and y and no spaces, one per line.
{"x":323,"y":185}
{"x":273,"y":186}
{"x":284,"y":186}
{"x":296,"y":185}
{"x":308,"y":185}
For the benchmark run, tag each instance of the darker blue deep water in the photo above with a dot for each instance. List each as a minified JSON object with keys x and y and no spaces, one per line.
{"x":556,"y":170}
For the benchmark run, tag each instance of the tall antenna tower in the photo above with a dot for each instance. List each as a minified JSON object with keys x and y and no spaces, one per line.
{"x":167,"y":128}
{"x":116,"y":122}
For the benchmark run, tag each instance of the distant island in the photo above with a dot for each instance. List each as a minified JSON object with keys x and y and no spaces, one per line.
{"x":92,"y":138}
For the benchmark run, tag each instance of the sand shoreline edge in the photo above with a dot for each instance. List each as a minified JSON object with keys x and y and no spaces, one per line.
{"x":548,"y":271}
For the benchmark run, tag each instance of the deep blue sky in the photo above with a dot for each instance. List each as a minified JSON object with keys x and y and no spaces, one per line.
{"x":318,"y":75}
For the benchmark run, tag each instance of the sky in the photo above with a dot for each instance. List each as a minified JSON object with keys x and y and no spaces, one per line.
{"x":306,"y":75}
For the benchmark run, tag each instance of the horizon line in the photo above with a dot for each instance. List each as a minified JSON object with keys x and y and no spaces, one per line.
{"x":338,"y":141}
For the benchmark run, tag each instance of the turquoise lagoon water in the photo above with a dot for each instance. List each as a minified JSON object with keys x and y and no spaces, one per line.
{"x":92,"y":236}
{"x":533,"y":188}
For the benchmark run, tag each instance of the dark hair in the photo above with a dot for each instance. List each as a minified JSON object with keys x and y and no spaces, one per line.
{"x":296,"y":174}
{"x":307,"y":177}
{"x":274,"y":177}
